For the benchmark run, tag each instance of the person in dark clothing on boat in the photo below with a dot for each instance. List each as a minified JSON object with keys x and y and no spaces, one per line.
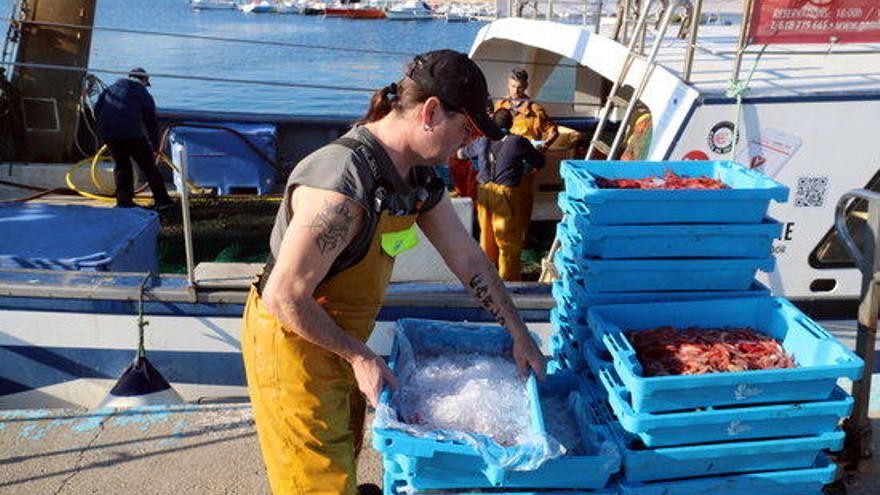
{"x":126,"y":115}
{"x":504,"y":193}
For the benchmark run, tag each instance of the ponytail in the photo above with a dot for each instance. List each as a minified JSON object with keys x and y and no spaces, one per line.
{"x":381,"y":104}
{"x":402,"y":95}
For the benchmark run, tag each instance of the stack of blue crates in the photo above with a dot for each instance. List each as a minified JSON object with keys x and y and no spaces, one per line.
{"x":637,"y":245}
{"x":639,"y":259}
{"x":440,"y":464}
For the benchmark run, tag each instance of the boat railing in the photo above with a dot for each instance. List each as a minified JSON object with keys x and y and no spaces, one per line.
{"x":187,"y":225}
{"x":858,"y":426}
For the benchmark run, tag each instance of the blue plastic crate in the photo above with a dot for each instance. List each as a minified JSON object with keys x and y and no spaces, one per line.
{"x":572,"y":298}
{"x":711,"y":459}
{"x":572,"y":301}
{"x":746,"y":201}
{"x":397,"y":486}
{"x":664,"y":274}
{"x":789,"y":482}
{"x":821,"y":359}
{"x":443,"y":469}
{"x":587,"y":240}
{"x":566,"y":351}
{"x":570,"y":322}
{"x":76,"y":237}
{"x":596,"y":358}
{"x":222,"y":160}
{"x":430,"y":463}
{"x":725,"y":424}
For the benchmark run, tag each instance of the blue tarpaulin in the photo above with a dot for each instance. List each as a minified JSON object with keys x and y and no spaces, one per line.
{"x":73,"y":237}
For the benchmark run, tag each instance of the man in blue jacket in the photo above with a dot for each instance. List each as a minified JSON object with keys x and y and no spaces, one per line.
{"x":126,"y":115}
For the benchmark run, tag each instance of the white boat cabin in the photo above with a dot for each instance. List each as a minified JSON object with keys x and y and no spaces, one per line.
{"x":807,"y":118}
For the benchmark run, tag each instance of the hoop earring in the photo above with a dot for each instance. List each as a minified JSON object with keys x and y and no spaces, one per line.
{"x":427,"y":128}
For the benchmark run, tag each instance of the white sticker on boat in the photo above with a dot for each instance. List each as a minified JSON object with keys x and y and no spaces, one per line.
{"x":722,"y":137}
{"x":769,"y":151}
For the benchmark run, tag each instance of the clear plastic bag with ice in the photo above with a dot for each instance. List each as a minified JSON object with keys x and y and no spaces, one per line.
{"x":458,"y":383}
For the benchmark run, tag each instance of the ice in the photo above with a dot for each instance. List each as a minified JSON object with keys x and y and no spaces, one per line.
{"x":467,"y":392}
{"x":560,"y":423}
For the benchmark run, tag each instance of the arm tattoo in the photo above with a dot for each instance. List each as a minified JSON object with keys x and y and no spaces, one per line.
{"x":481,"y":290}
{"x":332,"y":224}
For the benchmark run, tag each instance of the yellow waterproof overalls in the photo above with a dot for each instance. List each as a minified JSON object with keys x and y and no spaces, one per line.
{"x":309,"y":412}
{"x":502,"y":212}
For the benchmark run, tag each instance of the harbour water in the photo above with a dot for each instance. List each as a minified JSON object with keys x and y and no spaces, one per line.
{"x":244,"y":61}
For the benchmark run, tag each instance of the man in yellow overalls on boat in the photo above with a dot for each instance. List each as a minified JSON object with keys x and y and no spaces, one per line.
{"x":530,"y":121}
{"x":348,"y":210}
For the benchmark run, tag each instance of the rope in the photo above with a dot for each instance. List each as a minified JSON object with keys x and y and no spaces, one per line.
{"x":190,"y":78}
{"x":285,"y":44}
{"x":142,"y":322}
{"x":69,"y":68}
{"x":739,"y":89}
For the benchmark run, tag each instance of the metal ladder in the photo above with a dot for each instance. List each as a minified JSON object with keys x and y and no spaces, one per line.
{"x":858,"y":426}
{"x":13,"y":35}
{"x":548,"y":269}
{"x":614,"y":100}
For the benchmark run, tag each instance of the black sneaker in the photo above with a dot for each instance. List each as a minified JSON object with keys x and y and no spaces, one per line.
{"x":126,"y":205}
{"x":368,"y":489}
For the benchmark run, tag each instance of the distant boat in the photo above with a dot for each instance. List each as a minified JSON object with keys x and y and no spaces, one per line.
{"x":411,"y":10}
{"x":257,"y":7}
{"x":314,"y":8}
{"x":289,"y":8}
{"x":354,"y":12}
{"x":212,"y":4}
{"x":457,"y":15}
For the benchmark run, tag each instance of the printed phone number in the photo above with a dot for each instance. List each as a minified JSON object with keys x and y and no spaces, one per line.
{"x":823,"y":26}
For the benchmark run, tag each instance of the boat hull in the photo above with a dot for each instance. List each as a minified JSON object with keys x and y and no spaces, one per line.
{"x":355,"y":13}
{"x":409,"y":16}
{"x":73,"y":354}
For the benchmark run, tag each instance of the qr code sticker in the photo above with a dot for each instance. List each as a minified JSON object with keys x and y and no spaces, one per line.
{"x":811,"y":192}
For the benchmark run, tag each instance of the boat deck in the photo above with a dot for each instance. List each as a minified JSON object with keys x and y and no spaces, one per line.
{"x":784,"y":71}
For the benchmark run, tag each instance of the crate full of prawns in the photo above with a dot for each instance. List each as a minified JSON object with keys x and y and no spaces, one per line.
{"x":669,"y":192}
{"x":722,"y":352}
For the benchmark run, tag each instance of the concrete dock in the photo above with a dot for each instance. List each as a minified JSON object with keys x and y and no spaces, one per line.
{"x":210,"y":449}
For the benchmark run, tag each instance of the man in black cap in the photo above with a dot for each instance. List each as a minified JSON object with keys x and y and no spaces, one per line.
{"x":126,"y":115}
{"x":349,"y":209}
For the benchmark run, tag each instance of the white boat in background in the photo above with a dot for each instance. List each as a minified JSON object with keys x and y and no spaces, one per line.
{"x":258,"y":7}
{"x":411,"y":10}
{"x":293,"y":8}
{"x":457,"y":15}
{"x":212,"y":4}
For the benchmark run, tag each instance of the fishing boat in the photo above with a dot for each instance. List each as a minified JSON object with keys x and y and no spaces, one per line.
{"x":258,"y":7}
{"x":354,"y":11}
{"x":411,"y":10}
{"x":314,"y":8}
{"x":293,"y":8}
{"x":457,"y":15}
{"x":212,"y":4}
{"x":68,"y":333}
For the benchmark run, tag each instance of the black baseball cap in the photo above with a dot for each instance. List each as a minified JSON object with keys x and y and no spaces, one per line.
{"x":139,"y":73}
{"x":456,"y":81}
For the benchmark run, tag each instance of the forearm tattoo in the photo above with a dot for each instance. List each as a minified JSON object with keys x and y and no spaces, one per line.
{"x":332,"y":224}
{"x":481,"y":290}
